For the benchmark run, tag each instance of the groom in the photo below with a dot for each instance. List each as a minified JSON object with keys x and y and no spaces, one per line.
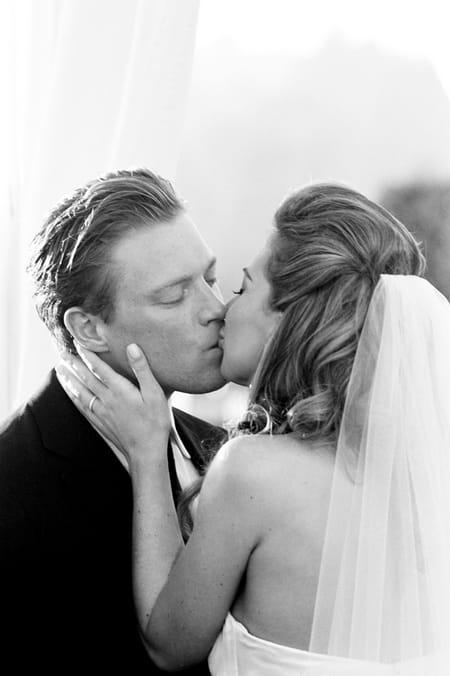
{"x":118,"y":261}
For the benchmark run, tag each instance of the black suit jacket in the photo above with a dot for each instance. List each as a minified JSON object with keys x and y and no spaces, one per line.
{"x":65,"y":542}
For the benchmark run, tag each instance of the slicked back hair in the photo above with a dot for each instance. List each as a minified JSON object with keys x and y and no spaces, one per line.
{"x":70,"y":260}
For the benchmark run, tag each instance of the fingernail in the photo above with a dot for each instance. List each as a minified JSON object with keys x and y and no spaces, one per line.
{"x":133,"y":351}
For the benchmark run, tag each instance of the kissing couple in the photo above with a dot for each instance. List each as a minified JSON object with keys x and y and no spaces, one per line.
{"x":314,"y":537}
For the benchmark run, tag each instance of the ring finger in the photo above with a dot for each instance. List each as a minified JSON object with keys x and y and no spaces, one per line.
{"x":80,"y":391}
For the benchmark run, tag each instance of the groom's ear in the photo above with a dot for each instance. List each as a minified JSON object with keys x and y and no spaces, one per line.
{"x":86,"y":329}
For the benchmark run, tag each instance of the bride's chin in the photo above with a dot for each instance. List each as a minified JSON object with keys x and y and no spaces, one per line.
{"x":232,"y":375}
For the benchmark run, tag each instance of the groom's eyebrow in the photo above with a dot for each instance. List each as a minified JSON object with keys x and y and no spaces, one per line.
{"x":183,"y":279}
{"x":172,"y":282}
{"x":247,"y":274}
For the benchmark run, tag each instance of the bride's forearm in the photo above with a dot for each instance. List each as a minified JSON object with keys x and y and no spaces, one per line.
{"x":156,"y":534}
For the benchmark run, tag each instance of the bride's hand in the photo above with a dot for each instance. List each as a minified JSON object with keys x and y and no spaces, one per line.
{"x":136,"y":420}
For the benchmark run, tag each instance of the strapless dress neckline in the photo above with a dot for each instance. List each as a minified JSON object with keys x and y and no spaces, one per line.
{"x":236,"y":652}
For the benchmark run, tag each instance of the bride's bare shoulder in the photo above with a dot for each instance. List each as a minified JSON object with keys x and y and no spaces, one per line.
{"x":266,"y":475}
{"x":267,"y":456}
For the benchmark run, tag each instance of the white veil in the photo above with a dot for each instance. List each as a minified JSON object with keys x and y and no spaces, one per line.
{"x":384,"y":583}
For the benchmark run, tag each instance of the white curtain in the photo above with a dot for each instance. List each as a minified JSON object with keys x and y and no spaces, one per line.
{"x":87,"y":86}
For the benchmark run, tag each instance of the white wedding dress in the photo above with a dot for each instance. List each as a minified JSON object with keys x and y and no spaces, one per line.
{"x":382,"y":605}
{"x":236,"y":652}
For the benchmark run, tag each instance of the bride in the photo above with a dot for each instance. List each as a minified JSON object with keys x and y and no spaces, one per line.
{"x":321,"y":536}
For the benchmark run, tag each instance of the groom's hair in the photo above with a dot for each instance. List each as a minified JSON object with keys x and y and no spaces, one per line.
{"x":70,"y":260}
{"x":329,"y":248}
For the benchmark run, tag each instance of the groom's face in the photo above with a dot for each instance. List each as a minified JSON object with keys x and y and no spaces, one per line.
{"x":168,"y":302}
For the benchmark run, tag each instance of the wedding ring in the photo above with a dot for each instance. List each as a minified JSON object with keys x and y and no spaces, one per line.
{"x":91,"y":403}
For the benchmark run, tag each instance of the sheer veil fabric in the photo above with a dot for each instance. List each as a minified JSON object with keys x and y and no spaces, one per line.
{"x":384,"y":583}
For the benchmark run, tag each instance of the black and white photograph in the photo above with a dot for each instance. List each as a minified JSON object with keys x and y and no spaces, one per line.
{"x":225,"y":346}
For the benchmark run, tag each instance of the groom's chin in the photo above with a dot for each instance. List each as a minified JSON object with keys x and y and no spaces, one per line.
{"x":212,"y":383}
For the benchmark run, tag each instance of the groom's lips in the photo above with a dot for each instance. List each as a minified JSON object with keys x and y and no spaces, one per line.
{"x":216,"y":346}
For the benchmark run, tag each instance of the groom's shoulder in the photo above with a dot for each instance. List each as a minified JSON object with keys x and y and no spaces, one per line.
{"x":12,"y":426}
{"x":22,"y":423}
{"x":19,"y":440}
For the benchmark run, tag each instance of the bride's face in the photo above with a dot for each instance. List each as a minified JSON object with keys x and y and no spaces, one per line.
{"x":249,"y":323}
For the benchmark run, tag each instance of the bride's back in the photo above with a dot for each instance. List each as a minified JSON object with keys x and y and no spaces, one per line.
{"x":330,"y":246}
{"x":291,"y":480}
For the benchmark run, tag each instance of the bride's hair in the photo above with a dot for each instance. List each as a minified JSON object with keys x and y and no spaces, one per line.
{"x":329,"y":247}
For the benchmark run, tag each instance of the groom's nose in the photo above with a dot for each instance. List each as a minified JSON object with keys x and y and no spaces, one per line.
{"x":213,"y":308}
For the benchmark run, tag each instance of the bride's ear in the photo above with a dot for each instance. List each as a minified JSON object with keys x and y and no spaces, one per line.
{"x":86,"y":329}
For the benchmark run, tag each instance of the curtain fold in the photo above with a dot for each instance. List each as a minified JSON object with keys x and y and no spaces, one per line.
{"x":90,"y":86}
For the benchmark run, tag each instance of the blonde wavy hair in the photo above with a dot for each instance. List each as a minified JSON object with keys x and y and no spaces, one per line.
{"x":329,"y":248}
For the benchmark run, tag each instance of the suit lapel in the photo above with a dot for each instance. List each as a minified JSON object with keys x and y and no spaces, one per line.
{"x":199,"y":437}
{"x":65,"y":431}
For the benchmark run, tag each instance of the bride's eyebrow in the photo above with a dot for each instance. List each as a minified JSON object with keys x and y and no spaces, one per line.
{"x":211,"y":266}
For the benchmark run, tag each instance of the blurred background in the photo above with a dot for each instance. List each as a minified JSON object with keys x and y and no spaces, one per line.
{"x":291,"y":92}
{"x":269,"y":96}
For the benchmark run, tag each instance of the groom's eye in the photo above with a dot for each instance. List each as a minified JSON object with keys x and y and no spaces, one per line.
{"x":211,"y":281}
{"x":173,"y":295}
